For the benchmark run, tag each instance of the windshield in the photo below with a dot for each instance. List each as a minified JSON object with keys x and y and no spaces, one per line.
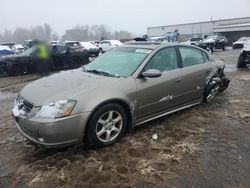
{"x":121,"y":61}
{"x":27,"y":52}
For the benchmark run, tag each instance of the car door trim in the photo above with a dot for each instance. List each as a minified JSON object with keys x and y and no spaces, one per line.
{"x":168,"y":112}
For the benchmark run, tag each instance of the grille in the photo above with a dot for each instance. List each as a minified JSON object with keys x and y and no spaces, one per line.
{"x":24,"y":104}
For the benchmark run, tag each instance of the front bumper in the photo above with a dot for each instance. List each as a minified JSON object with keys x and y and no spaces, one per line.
{"x":53,"y":133}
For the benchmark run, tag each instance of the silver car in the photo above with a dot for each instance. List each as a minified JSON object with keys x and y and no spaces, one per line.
{"x":123,"y":88}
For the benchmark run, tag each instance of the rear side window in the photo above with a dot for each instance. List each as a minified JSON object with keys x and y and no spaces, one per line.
{"x":205,"y":57}
{"x":191,"y":56}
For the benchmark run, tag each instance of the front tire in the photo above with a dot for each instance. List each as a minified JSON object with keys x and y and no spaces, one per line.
{"x":106,"y":126}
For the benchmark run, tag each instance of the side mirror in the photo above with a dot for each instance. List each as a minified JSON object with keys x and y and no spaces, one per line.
{"x":151,"y":73}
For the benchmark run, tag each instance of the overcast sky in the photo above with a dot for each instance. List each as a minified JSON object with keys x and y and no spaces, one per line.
{"x":132,"y":15}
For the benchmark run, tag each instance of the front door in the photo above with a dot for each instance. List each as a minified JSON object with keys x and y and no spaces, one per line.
{"x":155,"y":95}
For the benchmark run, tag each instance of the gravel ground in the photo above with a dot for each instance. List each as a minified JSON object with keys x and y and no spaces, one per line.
{"x":204,"y":146}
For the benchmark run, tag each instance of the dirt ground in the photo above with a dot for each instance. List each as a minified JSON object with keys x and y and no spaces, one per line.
{"x":204,"y":146}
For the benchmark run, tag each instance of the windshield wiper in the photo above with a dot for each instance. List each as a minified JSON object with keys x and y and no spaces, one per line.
{"x":94,"y":71}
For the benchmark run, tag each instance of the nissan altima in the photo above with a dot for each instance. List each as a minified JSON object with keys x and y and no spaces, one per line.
{"x":123,"y":88}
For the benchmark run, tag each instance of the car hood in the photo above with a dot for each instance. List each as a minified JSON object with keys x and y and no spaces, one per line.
{"x":64,"y":85}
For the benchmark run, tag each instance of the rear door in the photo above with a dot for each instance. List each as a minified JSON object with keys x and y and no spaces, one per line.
{"x":195,"y":71}
{"x":155,"y":95}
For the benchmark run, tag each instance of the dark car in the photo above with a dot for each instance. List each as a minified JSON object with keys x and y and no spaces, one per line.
{"x":214,"y":42}
{"x":60,"y":57}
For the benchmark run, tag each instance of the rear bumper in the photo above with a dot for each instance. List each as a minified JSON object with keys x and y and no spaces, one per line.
{"x":53,"y":133}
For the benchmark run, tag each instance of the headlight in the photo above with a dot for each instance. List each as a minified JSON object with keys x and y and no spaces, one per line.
{"x":57,"y":109}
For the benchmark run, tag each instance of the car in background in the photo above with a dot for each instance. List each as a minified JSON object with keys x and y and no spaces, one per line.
{"x":5,"y":50}
{"x":193,"y":41}
{"x":106,"y":45}
{"x":123,"y":88}
{"x":18,"y":48}
{"x":61,"y":57}
{"x":244,"y":57}
{"x":214,"y":42}
{"x":240,"y":42}
{"x":92,"y":49}
{"x":9,"y":44}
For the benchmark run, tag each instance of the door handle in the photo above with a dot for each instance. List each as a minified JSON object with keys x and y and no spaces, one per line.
{"x":178,"y":79}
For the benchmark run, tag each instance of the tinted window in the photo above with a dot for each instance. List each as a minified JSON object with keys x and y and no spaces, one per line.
{"x":164,"y":60}
{"x":191,"y":56}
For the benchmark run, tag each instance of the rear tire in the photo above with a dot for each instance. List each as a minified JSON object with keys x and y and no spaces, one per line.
{"x":212,"y":89}
{"x":241,"y":61}
{"x":106,"y":126}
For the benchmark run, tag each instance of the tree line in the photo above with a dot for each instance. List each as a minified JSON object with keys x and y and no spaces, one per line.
{"x":79,"y":33}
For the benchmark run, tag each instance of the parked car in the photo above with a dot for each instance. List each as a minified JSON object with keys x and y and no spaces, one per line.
{"x":107,"y":45}
{"x":214,"y":42}
{"x":92,"y":49}
{"x":244,"y":57}
{"x":18,"y":48}
{"x":240,"y":42}
{"x":123,"y":88}
{"x":5,"y":50}
{"x":193,"y":41}
{"x":61,"y":57}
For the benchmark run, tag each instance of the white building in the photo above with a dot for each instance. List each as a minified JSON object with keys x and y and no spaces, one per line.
{"x":233,"y":29}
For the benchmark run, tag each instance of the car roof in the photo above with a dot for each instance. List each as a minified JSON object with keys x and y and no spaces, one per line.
{"x":153,"y":45}
{"x":162,"y":45}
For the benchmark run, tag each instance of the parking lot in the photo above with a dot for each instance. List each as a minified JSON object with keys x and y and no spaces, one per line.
{"x":204,"y":146}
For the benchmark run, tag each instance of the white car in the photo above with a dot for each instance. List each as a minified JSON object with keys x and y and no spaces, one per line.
{"x":193,"y":41}
{"x":240,"y":42}
{"x":92,"y":49}
{"x":106,"y":45}
{"x":18,"y":48}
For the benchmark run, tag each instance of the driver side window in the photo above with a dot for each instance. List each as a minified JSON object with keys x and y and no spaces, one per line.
{"x":164,"y":60}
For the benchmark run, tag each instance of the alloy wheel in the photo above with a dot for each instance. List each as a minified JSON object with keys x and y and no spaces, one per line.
{"x":109,"y":126}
